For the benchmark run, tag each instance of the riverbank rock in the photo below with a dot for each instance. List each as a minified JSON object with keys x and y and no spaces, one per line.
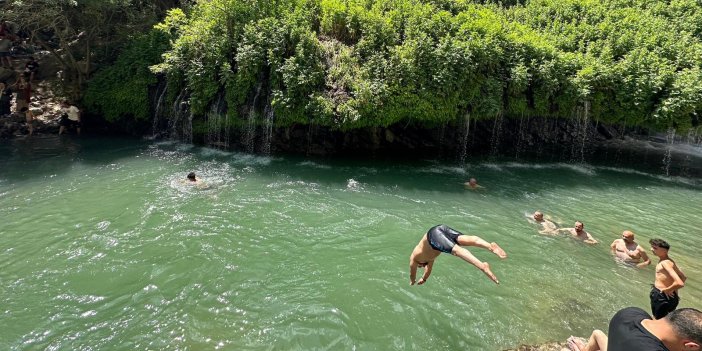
{"x":552,"y":346}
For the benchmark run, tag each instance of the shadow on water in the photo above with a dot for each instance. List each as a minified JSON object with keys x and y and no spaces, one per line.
{"x":632,"y":164}
{"x":44,"y":155}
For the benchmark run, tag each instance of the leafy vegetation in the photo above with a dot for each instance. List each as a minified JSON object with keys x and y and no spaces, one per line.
{"x":120,"y":91}
{"x":358,"y":63}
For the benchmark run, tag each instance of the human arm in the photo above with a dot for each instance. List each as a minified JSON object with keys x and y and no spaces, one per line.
{"x":646,"y":260}
{"x":613,"y":247}
{"x":590,"y":240}
{"x":413,"y":270}
{"x":678,"y":283}
{"x":427,"y":273}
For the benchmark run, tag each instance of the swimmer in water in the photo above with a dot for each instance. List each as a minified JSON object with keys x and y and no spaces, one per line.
{"x":578,"y":232}
{"x":472,"y":184}
{"x":547,"y":226}
{"x":627,"y":250}
{"x":192,"y":179}
{"x":440,"y":239}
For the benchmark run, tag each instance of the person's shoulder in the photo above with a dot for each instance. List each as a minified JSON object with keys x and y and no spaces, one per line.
{"x":635,"y":314}
{"x":668,"y":263}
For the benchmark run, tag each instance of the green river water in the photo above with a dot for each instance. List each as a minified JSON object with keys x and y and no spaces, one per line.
{"x":104,"y":248}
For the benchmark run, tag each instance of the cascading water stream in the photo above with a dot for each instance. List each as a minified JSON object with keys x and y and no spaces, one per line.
{"x":267,"y":129}
{"x":250,"y":140}
{"x":668,"y":158}
{"x":496,"y":134}
{"x":158,"y":111}
{"x":464,"y":142}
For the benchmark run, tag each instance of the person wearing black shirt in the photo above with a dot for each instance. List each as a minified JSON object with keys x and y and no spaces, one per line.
{"x":632,"y":329}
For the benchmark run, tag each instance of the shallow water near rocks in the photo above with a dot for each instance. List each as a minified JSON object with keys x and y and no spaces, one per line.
{"x":105,"y":247}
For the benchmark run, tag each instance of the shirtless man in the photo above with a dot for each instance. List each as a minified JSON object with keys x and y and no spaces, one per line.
{"x":578,"y":232}
{"x":669,"y":279}
{"x":440,"y":239}
{"x":472,"y":184}
{"x":547,"y":227}
{"x":629,"y":251}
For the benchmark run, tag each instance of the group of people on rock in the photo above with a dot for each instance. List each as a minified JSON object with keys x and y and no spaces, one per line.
{"x":21,"y":89}
{"x":631,"y":329}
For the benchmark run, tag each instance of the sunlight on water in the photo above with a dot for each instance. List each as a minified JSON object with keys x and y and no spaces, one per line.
{"x":106,"y":246}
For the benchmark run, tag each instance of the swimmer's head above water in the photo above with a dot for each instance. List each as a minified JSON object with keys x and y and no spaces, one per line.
{"x":538,"y":216}
{"x":191,"y":177}
{"x":628,"y":236}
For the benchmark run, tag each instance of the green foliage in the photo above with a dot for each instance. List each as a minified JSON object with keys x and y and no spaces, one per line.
{"x":360,"y":63}
{"x":121,"y":90}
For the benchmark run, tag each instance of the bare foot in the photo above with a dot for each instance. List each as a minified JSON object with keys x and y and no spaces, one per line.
{"x":488,"y":272}
{"x":497,"y":250}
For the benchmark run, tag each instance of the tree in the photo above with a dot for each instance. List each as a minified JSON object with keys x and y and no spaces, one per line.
{"x":82,"y":33}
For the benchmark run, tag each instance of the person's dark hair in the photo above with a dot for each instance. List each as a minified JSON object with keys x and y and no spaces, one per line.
{"x":659,"y":243}
{"x":191,"y":175}
{"x":24,"y":109}
{"x":687,"y":323}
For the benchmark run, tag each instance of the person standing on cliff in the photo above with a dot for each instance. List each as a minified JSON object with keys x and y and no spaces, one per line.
{"x":31,"y":68}
{"x":24,"y":93}
{"x":669,"y":279}
{"x":442,"y":238}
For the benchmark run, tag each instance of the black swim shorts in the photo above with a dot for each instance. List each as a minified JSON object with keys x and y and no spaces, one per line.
{"x":443,"y":238}
{"x":662,"y":304}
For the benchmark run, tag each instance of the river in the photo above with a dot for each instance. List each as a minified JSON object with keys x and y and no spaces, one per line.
{"x":105,"y":247}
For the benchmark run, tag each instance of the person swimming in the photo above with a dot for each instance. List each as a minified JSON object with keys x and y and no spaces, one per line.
{"x":472,"y":184}
{"x":547,"y":226}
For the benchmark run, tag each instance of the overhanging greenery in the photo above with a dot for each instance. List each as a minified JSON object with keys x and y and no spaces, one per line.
{"x":358,"y":63}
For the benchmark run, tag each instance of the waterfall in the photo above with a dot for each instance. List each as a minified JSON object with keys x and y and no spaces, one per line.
{"x":217,"y":125}
{"x":188,"y":129}
{"x":268,"y":128}
{"x":464,"y":142}
{"x":582,"y":125}
{"x":157,"y":111}
{"x":250,"y":140}
{"x":442,"y":131}
{"x":668,"y":158}
{"x":173,"y":122}
{"x":521,"y":135}
{"x":496,"y":134}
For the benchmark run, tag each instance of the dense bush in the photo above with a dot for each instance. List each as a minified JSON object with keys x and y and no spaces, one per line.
{"x":358,"y":63}
{"x":120,"y":91}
